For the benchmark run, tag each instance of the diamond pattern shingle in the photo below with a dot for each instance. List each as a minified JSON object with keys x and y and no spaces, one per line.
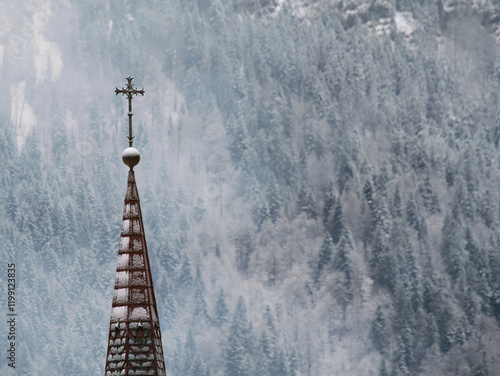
{"x":134,"y":345}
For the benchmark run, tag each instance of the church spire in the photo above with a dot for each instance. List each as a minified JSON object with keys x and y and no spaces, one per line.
{"x":134,"y":344}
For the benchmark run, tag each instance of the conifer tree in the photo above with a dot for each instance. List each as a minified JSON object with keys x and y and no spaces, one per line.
{"x":239,"y":346}
{"x":429,"y":197}
{"x":430,"y":335}
{"x":335,"y":224}
{"x":200,"y":305}
{"x":170,"y":309}
{"x":11,"y":206}
{"x":190,"y":354}
{"x":412,"y":214}
{"x":244,"y":248}
{"x":293,"y":363}
{"x":185,"y":279}
{"x":60,"y":142}
{"x":382,"y":262}
{"x":378,"y":331}
{"x":487,"y":209}
{"x":265,"y":357}
{"x":342,"y":259}
{"x":452,"y":248}
{"x":221,"y":310}
{"x":274,"y":200}
{"x":396,"y":204}
{"x":403,"y":355}
{"x":328,"y":207}
{"x":324,"y":255}
{"x":306,"y":203}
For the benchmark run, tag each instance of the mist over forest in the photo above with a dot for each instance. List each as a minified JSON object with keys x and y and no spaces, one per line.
{"x":319,"y":182}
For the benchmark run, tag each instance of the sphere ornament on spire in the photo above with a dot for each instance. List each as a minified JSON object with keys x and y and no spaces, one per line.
{"x":131,"y":157}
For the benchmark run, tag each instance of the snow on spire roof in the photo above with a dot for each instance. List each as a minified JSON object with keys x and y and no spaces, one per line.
{"x":134,"y":345}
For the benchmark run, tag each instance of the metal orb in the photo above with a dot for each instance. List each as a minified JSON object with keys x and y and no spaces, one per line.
{"x":131,"y":157}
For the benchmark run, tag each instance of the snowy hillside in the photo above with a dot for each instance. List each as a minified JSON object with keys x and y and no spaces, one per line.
{"x":319,"y":182}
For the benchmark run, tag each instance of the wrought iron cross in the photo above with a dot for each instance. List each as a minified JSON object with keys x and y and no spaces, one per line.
{"x":129,"y":91}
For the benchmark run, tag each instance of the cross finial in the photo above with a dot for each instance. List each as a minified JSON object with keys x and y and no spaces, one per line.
{"x":129,"y":91}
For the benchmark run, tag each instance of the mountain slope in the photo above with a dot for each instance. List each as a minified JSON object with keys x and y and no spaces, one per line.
{"x":318,"y":182}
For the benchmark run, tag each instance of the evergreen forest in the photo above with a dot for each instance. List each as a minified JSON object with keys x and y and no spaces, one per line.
{"x":319,"y":182}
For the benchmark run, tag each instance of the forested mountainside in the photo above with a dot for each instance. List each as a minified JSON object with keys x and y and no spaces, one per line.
{"x":319,"y":182}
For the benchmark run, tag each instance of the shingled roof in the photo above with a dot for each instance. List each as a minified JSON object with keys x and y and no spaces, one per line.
{"x":134,"y":345}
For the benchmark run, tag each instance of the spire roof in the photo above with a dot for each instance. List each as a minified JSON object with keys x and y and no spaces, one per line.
{"x":134,"y":346}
